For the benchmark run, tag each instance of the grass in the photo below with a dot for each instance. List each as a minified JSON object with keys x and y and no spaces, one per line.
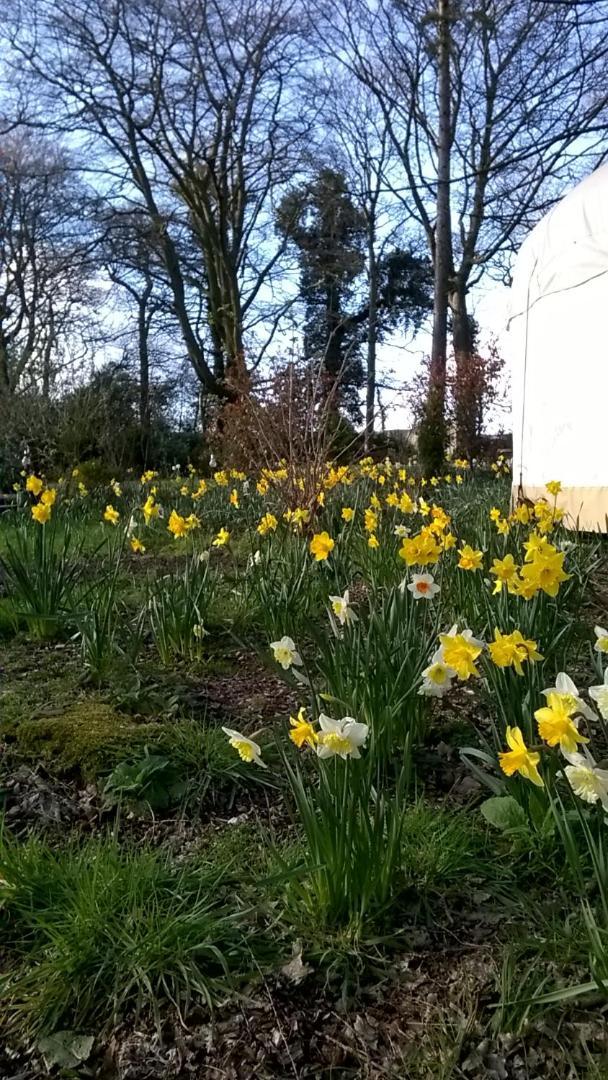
{"x":95,"y":930}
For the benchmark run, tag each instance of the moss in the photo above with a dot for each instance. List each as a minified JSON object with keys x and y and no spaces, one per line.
{"x":89,"y":739}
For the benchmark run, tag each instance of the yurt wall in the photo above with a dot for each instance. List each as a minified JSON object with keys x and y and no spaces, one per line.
{"x":558,"y":345}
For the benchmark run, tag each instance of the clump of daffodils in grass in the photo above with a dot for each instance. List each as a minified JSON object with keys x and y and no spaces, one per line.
{"x":420,"y":550}
{"x":455,"y":658}
{"x":332,"y":738}
{"x":558,"y":728}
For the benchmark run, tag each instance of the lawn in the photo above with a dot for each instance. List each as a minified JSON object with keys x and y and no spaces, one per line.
{"x":302,"y":776}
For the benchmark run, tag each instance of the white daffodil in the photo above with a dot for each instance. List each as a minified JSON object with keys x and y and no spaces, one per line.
{"x":601,"y":639}
{"x":437,"y":677}
{"x":423,"y":587}
{"x":567,"y":691}
{"x":340,"y":606}
{"x":254,"y":559}
{"x":587,"y":781}
{"x":285,"y":652}
{"x":401,"y":531}
{"x":341,"y":738}
{"x":599,"y":694}
{"x":247,"y":749}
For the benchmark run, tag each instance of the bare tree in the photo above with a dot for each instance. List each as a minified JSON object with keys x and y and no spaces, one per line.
{"x":45,"y":265}
{"x":491,"y":110}
{"x":186,"y":113}
{"x":133,"y":264}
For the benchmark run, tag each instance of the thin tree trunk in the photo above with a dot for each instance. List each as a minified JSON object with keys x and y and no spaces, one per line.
{"x":464,"y":344}
{"x":372,"y":336}
{"x":143,"y":327}
{"x":434,"y":445}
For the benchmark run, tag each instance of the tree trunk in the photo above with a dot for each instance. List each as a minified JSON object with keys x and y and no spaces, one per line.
{"x":432,"y":442}
{"x":464,"y":345}
{"x":143,"y":327}
{"x":372,"y":336}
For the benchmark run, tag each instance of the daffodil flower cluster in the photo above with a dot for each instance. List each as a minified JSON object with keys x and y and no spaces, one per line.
{"x":558,"y":728}
{"x":459,"y":651}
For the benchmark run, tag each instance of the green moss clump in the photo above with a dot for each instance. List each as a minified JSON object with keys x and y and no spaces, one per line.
{"x":89,"y":739}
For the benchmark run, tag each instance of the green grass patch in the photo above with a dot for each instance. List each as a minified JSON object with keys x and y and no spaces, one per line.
{"x":92,"y":931}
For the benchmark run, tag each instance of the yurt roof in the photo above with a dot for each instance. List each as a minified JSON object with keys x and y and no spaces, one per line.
{"x":567,"y":248}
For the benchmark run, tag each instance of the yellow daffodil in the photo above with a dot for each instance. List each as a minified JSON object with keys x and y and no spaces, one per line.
{"x":545,"y":572}
{"x":522,"y":514}
{"x":267,"y":524}
{"x":406,"y":503}
{"x":347,"y":513}
{"x":150,"y":509}
{"x":111,"y":515}
{"x":177,"y":525}
{"x":49,"y":497}
{"x":222,"y":538}
{"x":518,"y":759}
{"x":370,"y":520}
{"x":511,"y":650}
{"x":554,"y":487}
{"x":505,"y":571}
{"x":459,"y":652}
{"x":321,"y":546}
{"x":557,"y":726}
{"x":470,"y":559}
{"x":41,"y":513}
{"x":302,"y":732}
{"x":137,"y":546}
{"x":34,"y":484}
{"x":420,"y":550}
{"x":372,"y":541}
{"x":234,"y":498}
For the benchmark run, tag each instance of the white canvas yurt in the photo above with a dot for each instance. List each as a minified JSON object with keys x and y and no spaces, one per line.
{"x":558,"y":346}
